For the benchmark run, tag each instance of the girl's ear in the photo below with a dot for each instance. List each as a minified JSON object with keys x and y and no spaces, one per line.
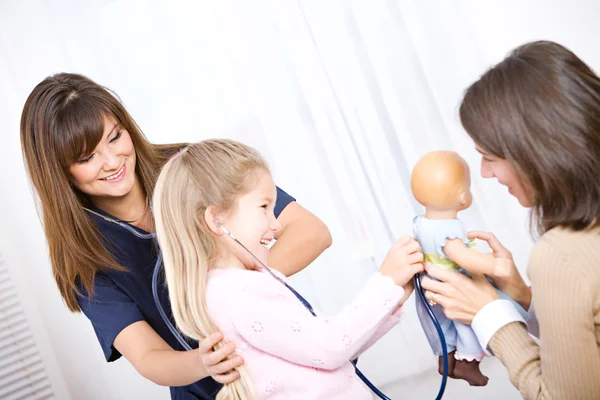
{"x":213,"y":219}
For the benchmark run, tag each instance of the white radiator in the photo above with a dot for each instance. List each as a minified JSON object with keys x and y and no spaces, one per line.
{"x":22,"y":372}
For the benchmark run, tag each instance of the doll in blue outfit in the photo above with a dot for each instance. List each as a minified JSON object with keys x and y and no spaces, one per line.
{"x":441,"y":182}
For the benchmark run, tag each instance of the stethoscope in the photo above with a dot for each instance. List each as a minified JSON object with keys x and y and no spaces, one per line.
{"x":305,"y":303}
{"x":438,"y":328}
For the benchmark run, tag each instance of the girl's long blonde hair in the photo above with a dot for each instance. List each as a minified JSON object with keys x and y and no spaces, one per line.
{"x":210,"y":173}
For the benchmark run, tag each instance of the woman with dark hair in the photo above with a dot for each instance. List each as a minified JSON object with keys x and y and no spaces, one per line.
{"x":94,"y":172}
{"x":535,"y":118}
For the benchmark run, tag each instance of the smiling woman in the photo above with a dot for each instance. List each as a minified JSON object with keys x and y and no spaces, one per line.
{"x":91,"y":165}
{"x":109,"y":172}
{"x":495,"y":167}
{"x":535,"y":117}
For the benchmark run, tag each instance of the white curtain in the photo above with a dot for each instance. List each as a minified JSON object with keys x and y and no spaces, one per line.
{"x":341,"y":96}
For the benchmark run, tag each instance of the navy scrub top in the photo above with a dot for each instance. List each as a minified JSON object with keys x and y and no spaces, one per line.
{"x":124,"y":297}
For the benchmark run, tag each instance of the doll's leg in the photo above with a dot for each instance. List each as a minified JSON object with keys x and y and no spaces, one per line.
{"x":451,"y":364}
{"x":451,"y":338}
{"x":433,"y":337}
{"x":468,"y":356}
{"x":431,"y":333}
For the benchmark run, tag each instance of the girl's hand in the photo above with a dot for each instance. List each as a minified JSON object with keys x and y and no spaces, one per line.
{"x":219,"y":364}
{"x":403,"y":261}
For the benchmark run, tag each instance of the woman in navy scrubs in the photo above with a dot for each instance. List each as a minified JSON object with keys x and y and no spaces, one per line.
{"x":91,"y":166}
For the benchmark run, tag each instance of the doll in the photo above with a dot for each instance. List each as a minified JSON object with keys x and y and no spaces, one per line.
{"x":441,"y":182}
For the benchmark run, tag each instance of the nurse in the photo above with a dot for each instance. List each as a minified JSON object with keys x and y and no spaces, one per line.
{"x":91,"y":166}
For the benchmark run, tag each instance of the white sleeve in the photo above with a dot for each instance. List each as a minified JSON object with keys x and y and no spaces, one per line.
{"x":491,"y":318}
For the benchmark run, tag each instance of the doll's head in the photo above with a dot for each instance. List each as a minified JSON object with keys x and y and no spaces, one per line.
{"x":441,"y":181}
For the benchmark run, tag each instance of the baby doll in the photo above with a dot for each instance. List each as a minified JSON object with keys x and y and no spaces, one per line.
{"x":441,"y":182}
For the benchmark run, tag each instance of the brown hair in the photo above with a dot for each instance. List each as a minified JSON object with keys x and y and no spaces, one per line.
{"x":540,"y":109}
{"x":63,"y":119}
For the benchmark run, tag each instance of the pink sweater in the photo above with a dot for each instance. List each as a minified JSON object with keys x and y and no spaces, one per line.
{"x":289,"y":353}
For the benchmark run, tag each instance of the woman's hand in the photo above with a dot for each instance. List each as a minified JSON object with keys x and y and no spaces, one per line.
{"x":460,"y":297}
{"x":506,"y":276}
{"x":219,"y":364}
{"x":403,"y":261}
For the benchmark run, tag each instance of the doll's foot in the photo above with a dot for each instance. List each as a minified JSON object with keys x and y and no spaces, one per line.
{"x":451,"y":362}
{"x":470,"y":372}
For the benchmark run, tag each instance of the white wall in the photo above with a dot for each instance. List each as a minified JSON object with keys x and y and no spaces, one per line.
{"x":454,"y":41}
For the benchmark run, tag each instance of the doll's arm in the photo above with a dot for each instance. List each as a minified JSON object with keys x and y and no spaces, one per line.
{"x":471,"y":260}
